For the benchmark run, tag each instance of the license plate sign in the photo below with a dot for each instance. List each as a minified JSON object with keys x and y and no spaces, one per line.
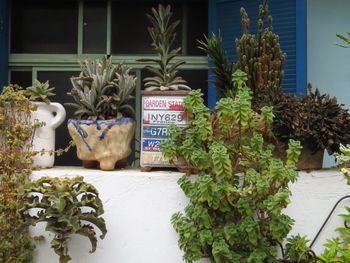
{"x":172,"y":103}
{"x":151,"y":145}
{"x":155,"y":132}
{"x":164,"y":117}
{"x":156,"y":159}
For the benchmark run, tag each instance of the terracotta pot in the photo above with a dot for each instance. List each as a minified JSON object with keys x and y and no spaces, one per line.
{"x":308,"y":160}
{"x":105,"y":141}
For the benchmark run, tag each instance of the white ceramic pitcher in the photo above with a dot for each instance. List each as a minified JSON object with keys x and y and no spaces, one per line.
{"x":52,"y":115}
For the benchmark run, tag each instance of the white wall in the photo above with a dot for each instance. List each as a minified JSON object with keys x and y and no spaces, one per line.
{"x":328,"y":66}
{"x":138,"y":207}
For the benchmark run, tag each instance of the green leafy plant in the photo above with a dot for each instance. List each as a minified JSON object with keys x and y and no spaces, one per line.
{"x":237,"y":198}
{"x":345,"y":39}
{"x":63,"y":203}
{"x":40,"y":92}
{"x":298,"y":251}
{"x":222,"y":68}
{"x":344,"y":161}
{"x":103,"y":90}
{"x":16,"y":133}
{"x":338,"y":249}
{"x":163,"y":36}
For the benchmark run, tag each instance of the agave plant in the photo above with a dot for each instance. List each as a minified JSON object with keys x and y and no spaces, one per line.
{"x":102,"y":90}
{"x":40,"y":92}
{"x":63,"y":203}
{"x":163,"y":36}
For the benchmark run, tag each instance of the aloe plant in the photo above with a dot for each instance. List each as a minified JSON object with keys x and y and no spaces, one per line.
{"x":163,"y":36}
{"x":102,"y":90}
{"x":60,"y":203}
{"x":40,"y":92}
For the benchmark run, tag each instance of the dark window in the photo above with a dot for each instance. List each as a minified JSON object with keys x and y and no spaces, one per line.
{"x":61,"y":81}
{"x":22,"y":78}
{"x":129,"y":25}
{"x":197,"y":26}
{"x":95,"y":27}
{"x":44,"y":27}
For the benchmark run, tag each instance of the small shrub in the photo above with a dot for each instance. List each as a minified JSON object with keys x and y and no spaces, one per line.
{"x":237,"y":198}
{"x":16,"y":133}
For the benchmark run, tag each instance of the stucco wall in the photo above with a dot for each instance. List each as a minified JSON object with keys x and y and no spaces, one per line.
{"x":328,"y":66}
{"x":138,"y":207}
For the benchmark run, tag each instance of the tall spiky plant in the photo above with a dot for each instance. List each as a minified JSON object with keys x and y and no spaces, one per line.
{"x":162,"y":32}
{"x":222,"y":67}
{"x":260,"y":55}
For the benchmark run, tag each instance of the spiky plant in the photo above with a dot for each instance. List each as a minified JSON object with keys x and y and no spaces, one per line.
{"x":222,"y":68}
{"x":40,"y":91}
{"x":260,"y":55}
{"x":103,"y":90}
{"x":163,"y":36}
{"x":63,"y":203}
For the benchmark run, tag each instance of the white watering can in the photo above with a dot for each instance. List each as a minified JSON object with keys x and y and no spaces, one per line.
{"x":52,"y":115}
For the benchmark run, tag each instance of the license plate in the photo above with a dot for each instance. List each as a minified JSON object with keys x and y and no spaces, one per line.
{"x":155,"y":132}
{"x":156,"y":159}
{"x":151,"y":145}
{"x":164,"y":117}
{"x":163,"y":103}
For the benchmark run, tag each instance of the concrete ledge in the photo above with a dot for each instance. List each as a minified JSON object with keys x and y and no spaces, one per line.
{"x":138,"y":207}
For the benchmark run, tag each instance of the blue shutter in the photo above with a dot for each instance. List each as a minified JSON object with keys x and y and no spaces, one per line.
{"x":289,"y":22}
{"x":3,"y":43}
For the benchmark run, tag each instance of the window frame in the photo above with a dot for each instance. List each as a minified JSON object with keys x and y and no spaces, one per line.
{"x":69,"y":62}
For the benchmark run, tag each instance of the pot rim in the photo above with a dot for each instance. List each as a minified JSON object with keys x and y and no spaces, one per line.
{"x":119,"y":121}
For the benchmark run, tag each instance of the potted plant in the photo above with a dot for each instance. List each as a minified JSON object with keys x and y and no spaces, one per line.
{"x":104,"y":124}
{"x":163,"y":36}
{"x":51,"y":114}
{"x":236,"y":200}
{"x":165,"y":89}
{"x":62,"y":203}
{"x":316,"y":120}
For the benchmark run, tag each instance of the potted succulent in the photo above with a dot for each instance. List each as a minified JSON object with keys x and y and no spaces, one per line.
{"x":51,"y":114}
{"x":315,"y":119}
{"x":163,"y":36}
{"x":165,"y":88}
{"x":68,"y":206}
{"x":104,"y":124}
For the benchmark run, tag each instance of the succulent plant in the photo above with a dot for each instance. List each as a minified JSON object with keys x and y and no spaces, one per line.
{"x":260,"y":55}
{"x":163,"y":36}
{"x":63,"y":203}
{"x":40,"y":92}
{"x":102,"y":90}
{"x":315,"y":119}
{"x":223,"y":69}
{"x":237,"y":197}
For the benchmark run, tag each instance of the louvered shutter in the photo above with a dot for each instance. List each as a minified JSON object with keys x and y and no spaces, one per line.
{"x":289,"y":22}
